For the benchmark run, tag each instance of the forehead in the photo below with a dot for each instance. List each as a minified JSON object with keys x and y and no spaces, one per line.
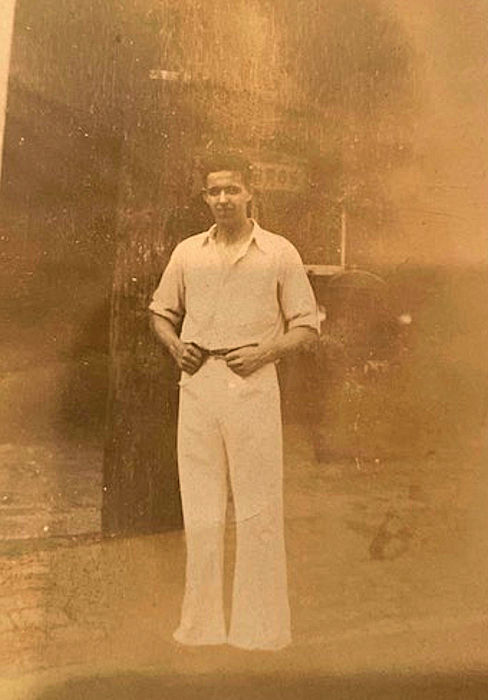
{"x":222,"y":178}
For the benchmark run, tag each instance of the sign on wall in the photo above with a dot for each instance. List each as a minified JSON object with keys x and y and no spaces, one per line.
{"x":286,"y":177}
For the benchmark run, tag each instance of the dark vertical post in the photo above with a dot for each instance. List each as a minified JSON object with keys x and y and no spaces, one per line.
{"x":140,"y":476}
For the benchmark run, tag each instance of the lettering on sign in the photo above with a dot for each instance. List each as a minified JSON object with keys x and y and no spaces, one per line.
{"x":278,"y":176}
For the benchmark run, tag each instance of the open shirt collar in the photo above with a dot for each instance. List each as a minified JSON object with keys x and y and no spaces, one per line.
{"x":257,"y":236}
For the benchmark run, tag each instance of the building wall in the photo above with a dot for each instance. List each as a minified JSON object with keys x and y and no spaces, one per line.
{"x":58,"y":199}
{"x":436,"y":209}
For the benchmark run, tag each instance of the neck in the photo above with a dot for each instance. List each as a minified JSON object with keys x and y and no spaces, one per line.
{"x":234,"y":233}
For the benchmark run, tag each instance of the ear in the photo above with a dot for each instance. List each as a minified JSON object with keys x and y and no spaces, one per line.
{"x":204,"y":196}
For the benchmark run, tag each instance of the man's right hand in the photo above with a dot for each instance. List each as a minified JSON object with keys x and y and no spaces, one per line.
{"x":188,"y":357}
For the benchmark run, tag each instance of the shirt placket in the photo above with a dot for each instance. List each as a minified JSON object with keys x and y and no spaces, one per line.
{"x":215,"y":259}
{"x":227,"y":269}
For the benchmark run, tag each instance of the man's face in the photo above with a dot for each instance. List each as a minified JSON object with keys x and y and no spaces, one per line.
{"x":227,"y":196}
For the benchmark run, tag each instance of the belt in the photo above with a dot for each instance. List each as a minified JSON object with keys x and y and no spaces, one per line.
{"x":220,"y":352}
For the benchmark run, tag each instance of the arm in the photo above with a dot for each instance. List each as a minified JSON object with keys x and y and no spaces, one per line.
{"x":186,"y":355}
{"x":300,"y":338}
{"x":168,"y":310}
{"x":247,"y":360}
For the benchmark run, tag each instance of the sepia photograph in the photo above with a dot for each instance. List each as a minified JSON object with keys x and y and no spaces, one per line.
{"x":243,"y":350}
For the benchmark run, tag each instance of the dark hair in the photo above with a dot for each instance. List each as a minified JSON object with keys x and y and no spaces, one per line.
{"x":227,"y":161}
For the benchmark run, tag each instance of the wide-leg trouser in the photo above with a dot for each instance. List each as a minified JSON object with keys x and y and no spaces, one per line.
{"x":232,"y":425}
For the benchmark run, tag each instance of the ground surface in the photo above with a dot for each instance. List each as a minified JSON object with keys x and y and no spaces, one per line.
{"x":388,"y":586}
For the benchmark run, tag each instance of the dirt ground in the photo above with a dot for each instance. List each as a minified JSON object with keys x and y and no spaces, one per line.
{"x":387,"y":579}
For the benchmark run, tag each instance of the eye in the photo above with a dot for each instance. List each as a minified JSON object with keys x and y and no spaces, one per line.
{"x":230,"y":189}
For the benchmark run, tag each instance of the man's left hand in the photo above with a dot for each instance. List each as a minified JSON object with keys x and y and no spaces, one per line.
{"x":245,"y":361}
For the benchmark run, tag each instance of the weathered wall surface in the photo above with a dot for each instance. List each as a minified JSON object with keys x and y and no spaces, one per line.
{"x":57,"y":217}
{"x":439,"y":205}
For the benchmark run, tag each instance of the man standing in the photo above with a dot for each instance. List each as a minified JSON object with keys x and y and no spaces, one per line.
{"x":244,"y":302}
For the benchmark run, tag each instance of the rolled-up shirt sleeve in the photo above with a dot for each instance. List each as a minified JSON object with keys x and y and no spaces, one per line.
{"x":296,"y":296}
{"x":168,"y":300}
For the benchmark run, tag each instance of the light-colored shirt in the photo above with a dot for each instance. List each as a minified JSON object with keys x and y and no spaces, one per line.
{"x":254,"y":297}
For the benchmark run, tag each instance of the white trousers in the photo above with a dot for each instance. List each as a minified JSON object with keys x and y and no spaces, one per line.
{"x":229,"y":425}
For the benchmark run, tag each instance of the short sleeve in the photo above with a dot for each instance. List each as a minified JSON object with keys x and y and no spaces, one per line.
{"x":169,"y":298}
{"x":295,"y":292}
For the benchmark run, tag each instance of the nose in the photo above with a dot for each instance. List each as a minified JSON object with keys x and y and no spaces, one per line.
{"x":222,"y":196}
